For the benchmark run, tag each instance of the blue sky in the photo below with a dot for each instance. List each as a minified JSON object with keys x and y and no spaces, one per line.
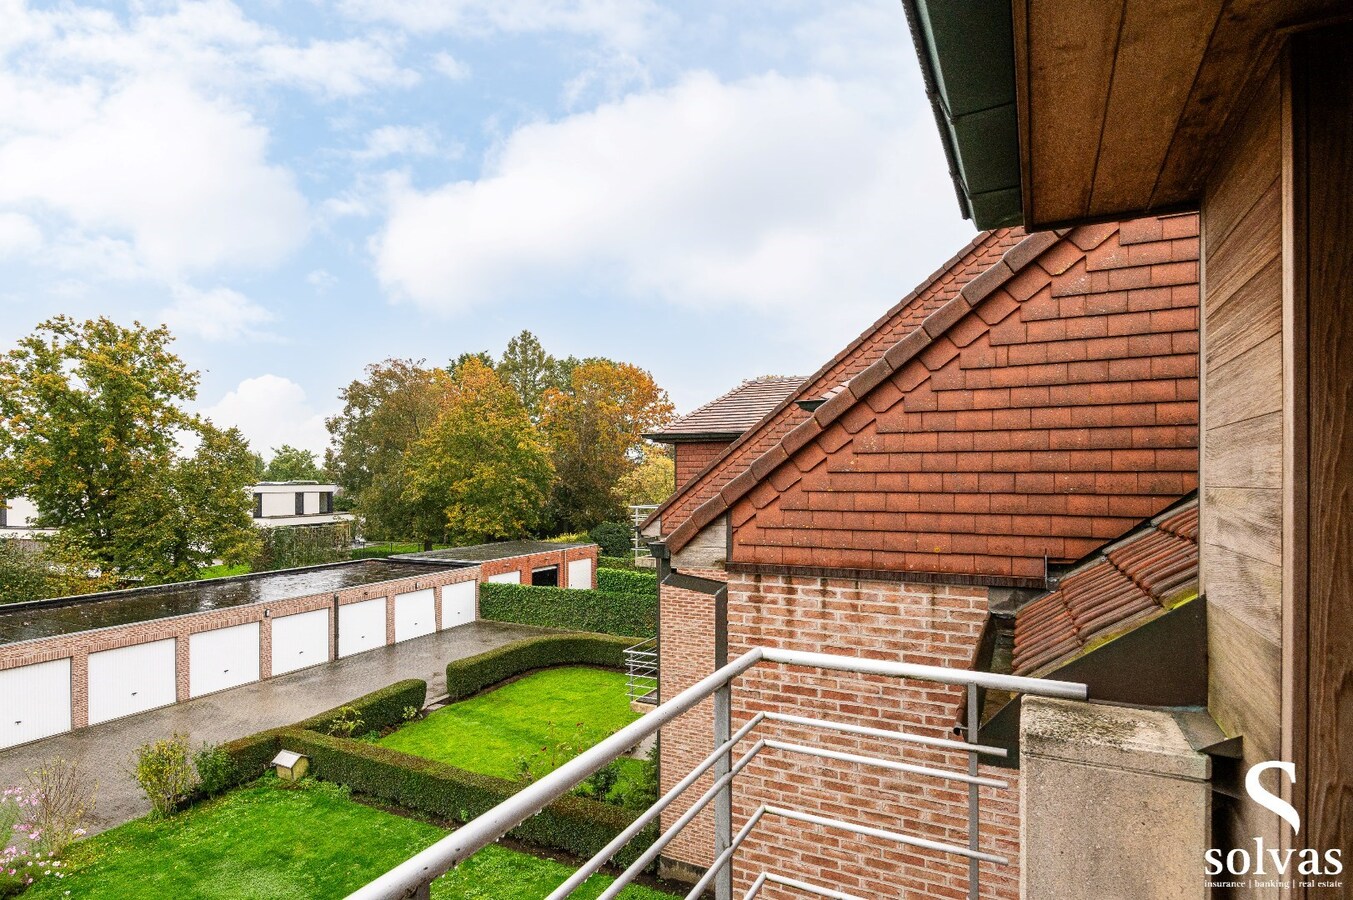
{"x":712,"y":190}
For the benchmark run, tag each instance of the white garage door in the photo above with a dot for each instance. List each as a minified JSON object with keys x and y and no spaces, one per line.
{"x":580,"y":573}
{"x":131,"y":680}
{"x":223,"y":658}
{"x":36,"y":702}
{"x":415,"y":614}
{"x":299,"y":641}
{"x":506,"y":578}
{"x":361,"y":626}
{"x":458,"y":606}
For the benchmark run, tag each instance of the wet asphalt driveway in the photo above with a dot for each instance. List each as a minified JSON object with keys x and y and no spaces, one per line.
{"x":105,"y":751}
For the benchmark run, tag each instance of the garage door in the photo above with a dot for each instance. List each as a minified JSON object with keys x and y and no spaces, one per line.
{"x":131,"y":680}
{"x":36,"y":701}
{"x":223,"y":658}
{"x":580,"y":573}
{"x":361,"y":626}
{"x":506,"y":578}
{"x":415,"y":614}
{"x":458,"y":606}
{"x":299,"y":641}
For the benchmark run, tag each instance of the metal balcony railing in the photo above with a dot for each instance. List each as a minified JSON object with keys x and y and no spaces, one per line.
{"x":413,"y":878}
{"x":639,"y":513}
{"x":641,"y":672}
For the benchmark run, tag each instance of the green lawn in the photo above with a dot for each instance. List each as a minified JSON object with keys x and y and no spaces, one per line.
{"x":265,"y":842}
{"x":489,"y":733}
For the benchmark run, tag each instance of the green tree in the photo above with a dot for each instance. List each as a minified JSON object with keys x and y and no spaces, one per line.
{"x":290,"y":463}
{"x":650,"y":482}
{"x":482,"y":356}
{"x":46,"y":567}
{"x":91,"y":416}
{"x":594,"y":427}
{"x":530,"y":371}
{"x":383,"y":415}
{"x":482,"y":463}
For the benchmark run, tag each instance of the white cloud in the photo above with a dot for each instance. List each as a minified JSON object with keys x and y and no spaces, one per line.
{"x":220,"y":314}
{"x":625,"y":24}
{"x":450,"y":67}
{"x":19,"y":235}
{"x":182,"y":179}
{"x":207,"y":42}
{"x":774,"y":193}
{"x":399,"y":140}
{"x":321,"y":280}
{"x":271,"y":411}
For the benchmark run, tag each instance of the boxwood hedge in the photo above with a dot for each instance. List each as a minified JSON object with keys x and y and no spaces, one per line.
{"x":572,"y":824}
{"x":377,"y":710}
{"x":622,"y":581}
{"x":468,"y":676}
{"x":633,"y":613}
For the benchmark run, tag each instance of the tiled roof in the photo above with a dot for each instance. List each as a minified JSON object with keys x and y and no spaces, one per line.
{"x":941,"y":286}
{"x":1128,"y":583}
{"x":1046,"y":408}
{"x":732,"y":414}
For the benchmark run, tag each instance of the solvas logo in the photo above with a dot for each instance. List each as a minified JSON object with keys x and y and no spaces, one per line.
{"x":1273,"y":861}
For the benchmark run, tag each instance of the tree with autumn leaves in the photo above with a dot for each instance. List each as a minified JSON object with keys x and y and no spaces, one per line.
{"x":483,"y":450}
{"x":94,"y":431}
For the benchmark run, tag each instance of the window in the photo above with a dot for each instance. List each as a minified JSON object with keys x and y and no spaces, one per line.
{"x":326,"y":502}
{"x":300,"y":503}
{"x":258,"y":506}
{"x":4,"y":517}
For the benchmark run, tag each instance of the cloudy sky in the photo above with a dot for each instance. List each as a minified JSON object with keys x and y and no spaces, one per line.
{"x":712,"y":190}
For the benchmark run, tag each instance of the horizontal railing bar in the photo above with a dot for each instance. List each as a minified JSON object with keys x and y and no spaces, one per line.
{"x":593,"y":865}
{"x":909,"y":768}
{"x":886,"y":734}
{"x":437,"y":860}
{"x":625,"y":877}
{"x":886,"y":835}
{"x":1038,"y":687}
{"x":804,"y":886}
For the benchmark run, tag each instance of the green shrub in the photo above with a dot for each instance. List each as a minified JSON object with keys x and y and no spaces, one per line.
{"x":251,"y":756}
{"x":466,"y":677}
{"x":577,"y":610}
{"x":622,"y":581}
{"x":164,"y":770}
{"x":215,"y":769}
{"x":619,"y":562}
{"x":572,"y":824}
{"x":288,"y":548}
{"x":377,"y":710}
{"x":614,"y":538}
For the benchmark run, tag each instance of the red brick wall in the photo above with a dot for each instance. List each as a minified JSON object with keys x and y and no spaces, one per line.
{"x":928,"y":624}
{"x":686,"y":639}
{"x":524,"y":564}
{"x":691,"y":458}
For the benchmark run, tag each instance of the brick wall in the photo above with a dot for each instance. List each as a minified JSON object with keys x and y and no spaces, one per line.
{"x":686,"y":639}
{"x":692,"y":457}
{"x":927,"y":624}
{"x":524,"y":564}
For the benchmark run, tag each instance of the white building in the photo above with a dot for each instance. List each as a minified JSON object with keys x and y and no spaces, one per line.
{"x":18,"y":519}
{"x":278,"y":503}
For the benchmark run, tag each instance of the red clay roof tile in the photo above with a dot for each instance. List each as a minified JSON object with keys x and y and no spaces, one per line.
{"x":1132,"y":581}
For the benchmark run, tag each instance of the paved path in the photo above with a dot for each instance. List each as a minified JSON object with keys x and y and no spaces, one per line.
{"x":104,"y":751}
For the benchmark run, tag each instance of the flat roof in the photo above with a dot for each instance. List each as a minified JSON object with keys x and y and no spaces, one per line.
{"x":68,"y":615}
{"x":488,"y":552}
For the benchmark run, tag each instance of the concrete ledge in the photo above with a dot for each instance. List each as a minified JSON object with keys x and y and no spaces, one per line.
{"x":1114,"y":803}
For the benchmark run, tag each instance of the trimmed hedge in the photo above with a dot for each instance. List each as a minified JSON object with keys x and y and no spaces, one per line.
{"x":469,"y":676}
{"x":253,"y":755}
{"x":576,"y":610}
{"x":622,"y":581}
{"x":616,"y":562}
{"x":573,"y":824}
{"x":379,"y":709}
